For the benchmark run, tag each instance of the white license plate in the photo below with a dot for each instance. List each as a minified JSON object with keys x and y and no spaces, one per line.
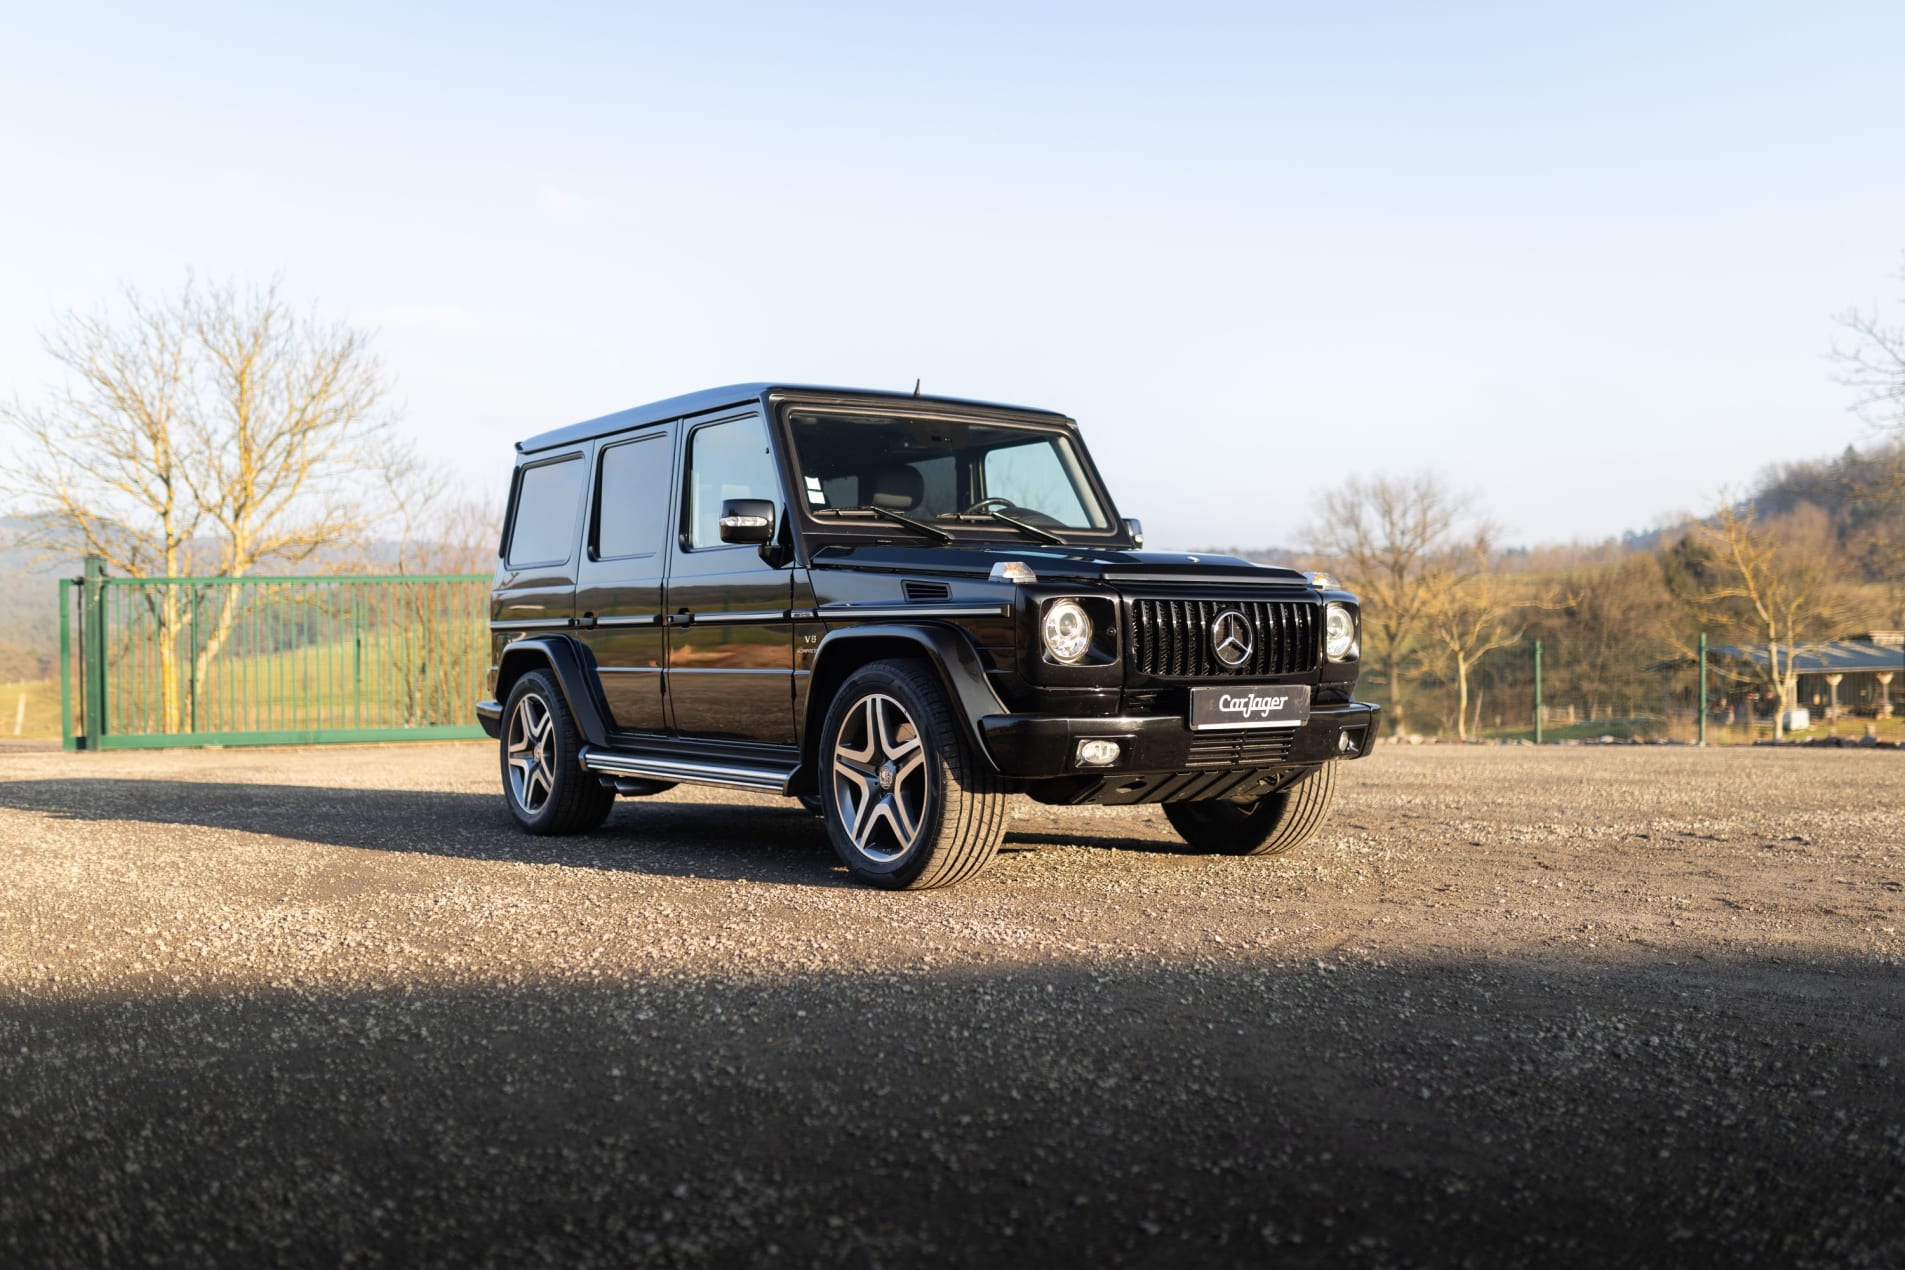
{"x":1279,"y":706}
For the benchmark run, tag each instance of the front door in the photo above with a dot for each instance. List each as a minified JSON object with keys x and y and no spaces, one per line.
{"x":618,"y":599}
{"x":730,"y":640}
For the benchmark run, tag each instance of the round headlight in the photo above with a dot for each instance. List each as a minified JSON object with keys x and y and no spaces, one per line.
{"x":1067,"y":632}
{"x":1339,"y":633}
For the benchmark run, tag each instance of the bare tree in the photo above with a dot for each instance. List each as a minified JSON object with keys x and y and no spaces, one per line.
{"x":1390,"y":538}
{"x":1470,"y":614}
{"x":105,"y":469}
{"x":1777,"y":578}
{"x":1871,"y":359}
{"x":438,"y":524}
{"x":438,"y":655}
{"x":1606,"y":624}
{"x":216,"y":431}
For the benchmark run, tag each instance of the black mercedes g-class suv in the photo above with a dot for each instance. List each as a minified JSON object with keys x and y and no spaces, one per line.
{"x":899,"y":609}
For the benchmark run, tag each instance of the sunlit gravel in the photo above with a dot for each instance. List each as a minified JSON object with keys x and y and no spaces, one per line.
{"x":1515,"y":1006}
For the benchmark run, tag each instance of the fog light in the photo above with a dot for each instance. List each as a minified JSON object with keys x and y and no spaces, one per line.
{"x":1097,"y":752}
{"x":1349,"y":742}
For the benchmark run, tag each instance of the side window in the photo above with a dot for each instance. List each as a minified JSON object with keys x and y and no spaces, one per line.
{"x":631,"y":498}
{"x":726,"y":460}
{"x":544,"y":524}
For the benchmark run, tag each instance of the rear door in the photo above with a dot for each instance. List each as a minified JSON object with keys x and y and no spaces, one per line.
{"x":730,"y":639}
{"x":619,"y":583}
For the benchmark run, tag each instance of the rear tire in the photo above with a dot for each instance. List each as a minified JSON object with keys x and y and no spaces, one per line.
{"x":907,"y":802}
{"x":545,"y":787}
{"x":1272,"y":825}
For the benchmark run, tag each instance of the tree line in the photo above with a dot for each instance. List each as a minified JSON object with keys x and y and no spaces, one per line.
{"x":1813,"y":554}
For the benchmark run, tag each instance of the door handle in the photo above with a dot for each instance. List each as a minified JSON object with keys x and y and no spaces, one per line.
{"x":683,"y":618}
{"x":585,"y":621}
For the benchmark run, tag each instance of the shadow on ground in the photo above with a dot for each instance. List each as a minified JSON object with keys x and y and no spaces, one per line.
{"x":1646,"y":1114}
{"x":780,"y":843}
{"x":722,"y":840}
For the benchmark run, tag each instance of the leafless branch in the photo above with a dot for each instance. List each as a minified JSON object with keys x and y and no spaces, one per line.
{"x":217,"y":430}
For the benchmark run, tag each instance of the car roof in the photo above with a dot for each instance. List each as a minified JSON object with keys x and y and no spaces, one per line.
{"x":733,"y":395}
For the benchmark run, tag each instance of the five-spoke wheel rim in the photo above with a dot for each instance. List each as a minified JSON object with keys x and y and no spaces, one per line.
{"x":880,"y":780}
{"x":532,"y":753}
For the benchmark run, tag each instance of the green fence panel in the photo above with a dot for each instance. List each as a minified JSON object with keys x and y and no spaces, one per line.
{"x":273,"y":660}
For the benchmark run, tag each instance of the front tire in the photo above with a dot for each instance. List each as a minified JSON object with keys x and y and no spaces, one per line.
{"x":1276,"y":823}
{"x":546,"y":789}
{"x":908,"y":804}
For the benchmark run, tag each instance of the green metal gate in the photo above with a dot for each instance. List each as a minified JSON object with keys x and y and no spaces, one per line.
{"x":153,"y":662}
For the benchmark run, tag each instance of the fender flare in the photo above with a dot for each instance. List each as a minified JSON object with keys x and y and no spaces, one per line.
{"x":949,"y":650}
{"x":573,"y":668}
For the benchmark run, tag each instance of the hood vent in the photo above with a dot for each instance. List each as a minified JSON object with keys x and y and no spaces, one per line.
{"x":916,"y":590}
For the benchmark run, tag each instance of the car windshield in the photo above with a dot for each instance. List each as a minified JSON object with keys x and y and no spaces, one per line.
{"x":1023,"y":481}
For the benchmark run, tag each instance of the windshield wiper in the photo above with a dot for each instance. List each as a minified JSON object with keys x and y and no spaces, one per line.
{"x":886,"y":513}
{"x":1044,"y":535}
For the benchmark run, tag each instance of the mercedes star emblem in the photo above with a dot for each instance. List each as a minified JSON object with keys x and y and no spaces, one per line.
{"x":1230,"y":638}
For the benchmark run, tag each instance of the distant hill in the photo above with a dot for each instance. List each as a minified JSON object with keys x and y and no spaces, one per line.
{"x":22,"y":561}
{"x":29,"y":603}
{"x":29,"y":593}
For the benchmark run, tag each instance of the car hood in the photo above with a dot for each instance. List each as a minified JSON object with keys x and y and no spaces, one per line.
{"x":1054,"y":562}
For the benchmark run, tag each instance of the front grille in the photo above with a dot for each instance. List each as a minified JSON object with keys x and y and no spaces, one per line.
{"x":1245,"y":747}
{"x":1170,"y":639}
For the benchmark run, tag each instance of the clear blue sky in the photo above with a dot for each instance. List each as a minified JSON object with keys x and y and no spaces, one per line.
{"x":1584,"y":263}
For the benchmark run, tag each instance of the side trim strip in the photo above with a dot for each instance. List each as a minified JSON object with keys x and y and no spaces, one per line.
{"x":734,"y":776}
{"x":645,"y":620}
{"x":717,"y":619}
{"x":914,"y":610}
{"x":533,"y":624}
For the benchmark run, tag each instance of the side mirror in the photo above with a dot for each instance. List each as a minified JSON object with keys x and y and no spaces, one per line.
{"x":747,"y":520}
{"x":1134,"y":527}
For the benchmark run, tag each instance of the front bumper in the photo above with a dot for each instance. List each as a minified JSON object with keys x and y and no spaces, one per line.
{"x":1035,"y":746}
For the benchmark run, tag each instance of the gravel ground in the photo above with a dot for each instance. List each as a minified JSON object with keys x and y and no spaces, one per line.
{"x":1515,"y":1006}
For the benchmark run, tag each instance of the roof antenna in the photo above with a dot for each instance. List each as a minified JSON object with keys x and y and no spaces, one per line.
{"x":916,"y":386}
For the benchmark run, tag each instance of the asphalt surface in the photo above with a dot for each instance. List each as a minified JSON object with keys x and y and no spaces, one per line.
{"x":1515,"y":1006}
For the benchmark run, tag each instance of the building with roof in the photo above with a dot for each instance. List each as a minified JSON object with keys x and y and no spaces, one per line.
{"x":1863,"y":675}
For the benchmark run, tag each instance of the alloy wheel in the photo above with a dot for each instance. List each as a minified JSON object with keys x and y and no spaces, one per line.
{"x":880,"y":778}
{"x":532,"y":753}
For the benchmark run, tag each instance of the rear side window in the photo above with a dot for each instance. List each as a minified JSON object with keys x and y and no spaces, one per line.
{"x":631,"y":500}
{"x":544,"y":526}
